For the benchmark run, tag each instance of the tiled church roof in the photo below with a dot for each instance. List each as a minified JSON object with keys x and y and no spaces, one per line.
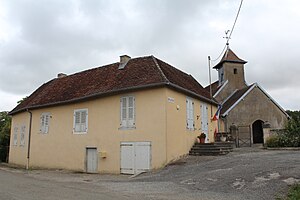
{"x":229,"y":56}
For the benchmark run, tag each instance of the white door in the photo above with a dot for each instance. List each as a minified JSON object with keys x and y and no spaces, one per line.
{"x":142,"y":156}
{"x":204,"y":120}
{"x":91,"y":160}
{"x":135,"y":157}
{"x":127,"y":158}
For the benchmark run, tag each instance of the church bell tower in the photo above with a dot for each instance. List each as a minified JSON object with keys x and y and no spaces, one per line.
{"x":231,"y":69}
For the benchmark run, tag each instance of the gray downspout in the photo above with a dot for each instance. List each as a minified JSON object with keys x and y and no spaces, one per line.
{"x":29,"y":138}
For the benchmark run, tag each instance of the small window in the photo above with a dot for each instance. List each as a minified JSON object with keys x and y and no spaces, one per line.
{"x":80,"y":121}
{"x":22,"y":135}
{"x":127,"y":112}
{"x":221,"y":75}
{"x":45,"y":120}
{"x":235,"y":70}
{"x":15,"y":141}
{"x":190,"y":124}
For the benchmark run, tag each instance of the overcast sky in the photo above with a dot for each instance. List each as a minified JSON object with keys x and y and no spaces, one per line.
{"x":41,"y":38}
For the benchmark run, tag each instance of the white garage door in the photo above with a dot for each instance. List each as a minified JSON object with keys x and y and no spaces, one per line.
{"x":135,"y":157}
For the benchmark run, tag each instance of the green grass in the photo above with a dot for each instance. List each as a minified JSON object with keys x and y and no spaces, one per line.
{"x":294,"y":193}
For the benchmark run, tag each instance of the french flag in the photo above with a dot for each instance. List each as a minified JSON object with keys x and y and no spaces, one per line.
{"x":217,"y":115}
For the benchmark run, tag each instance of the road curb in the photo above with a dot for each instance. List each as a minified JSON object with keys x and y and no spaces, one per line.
{"x":284,"y":148}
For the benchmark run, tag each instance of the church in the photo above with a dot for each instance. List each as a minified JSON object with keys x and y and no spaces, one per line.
{"x":247,"y":106}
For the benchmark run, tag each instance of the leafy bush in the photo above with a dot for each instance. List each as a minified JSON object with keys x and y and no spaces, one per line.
{"x":290,"y":137}
{"x":283,"y":140}
{"x":273,"y":141}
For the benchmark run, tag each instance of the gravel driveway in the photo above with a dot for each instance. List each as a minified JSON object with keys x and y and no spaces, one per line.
{"x":246,"y":173}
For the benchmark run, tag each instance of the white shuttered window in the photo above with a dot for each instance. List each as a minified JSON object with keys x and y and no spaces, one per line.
{"x":190,"y":124}
{"x":44,"y":124}
{"x":80,"y":121}
{"x":22,"y":135}
{"x":127,"y":112}
{"x":15,"y":141}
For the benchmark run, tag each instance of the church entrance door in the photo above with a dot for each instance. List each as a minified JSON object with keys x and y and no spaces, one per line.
{"x":257,"y":131}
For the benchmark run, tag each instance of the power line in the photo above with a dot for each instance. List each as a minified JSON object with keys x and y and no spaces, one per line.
{"x":237,"y":15}
{"x":220,"y":54}
{"x":229,"y":37}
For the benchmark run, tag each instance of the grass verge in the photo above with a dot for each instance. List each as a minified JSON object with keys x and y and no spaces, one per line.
{"x":294,"y":193}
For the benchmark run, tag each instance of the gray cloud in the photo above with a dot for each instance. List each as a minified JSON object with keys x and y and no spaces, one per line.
{"x":39,"y":39}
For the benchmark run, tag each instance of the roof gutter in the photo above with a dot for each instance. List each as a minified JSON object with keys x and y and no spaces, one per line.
{"x":89,"y":97}
{"x":193,"y":93}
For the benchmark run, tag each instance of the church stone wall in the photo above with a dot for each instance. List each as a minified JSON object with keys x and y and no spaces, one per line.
{"x":234,"y":73}
{"x":256,"y":106}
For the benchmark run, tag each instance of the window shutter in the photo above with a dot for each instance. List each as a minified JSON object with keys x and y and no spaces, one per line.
{"x":77,"y":117}
{"x":131,"y":111}
{"x":77,"y":121}
{"x":204,"y":118}
{"x":46,"y":129}
{"x":15,"y":136}
{"x":190,"y":114}
{"x":86,"y":121}
{"x":81,"y":120}
{"x":187,"y":114}
{"x":22,"y":135}
{"x":123,"y":111}
{"x":44,"y":123}
{"x":42,"y":126}
{"x":127,"y":107}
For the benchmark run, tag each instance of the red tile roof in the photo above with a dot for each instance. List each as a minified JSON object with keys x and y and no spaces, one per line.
{"x":214,"y":87}
{"x":139,"y":73}
{"x":229,"y":56}
{"x":234,"y":98}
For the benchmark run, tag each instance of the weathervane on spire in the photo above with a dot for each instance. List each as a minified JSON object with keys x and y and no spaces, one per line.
{"x":227,"y":38}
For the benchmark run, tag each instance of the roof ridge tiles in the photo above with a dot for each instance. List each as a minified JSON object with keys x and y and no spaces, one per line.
{"x":103,"y":66}
{"x":157,"y":65}
{"x":173,"y":67}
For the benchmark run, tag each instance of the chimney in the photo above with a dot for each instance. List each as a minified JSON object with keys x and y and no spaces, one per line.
{"x":123,"y":61}
{"x":61,"y":75}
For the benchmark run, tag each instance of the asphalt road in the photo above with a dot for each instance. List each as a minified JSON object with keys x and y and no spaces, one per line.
{"x":20,"y":185}
{"x":247,"y":174}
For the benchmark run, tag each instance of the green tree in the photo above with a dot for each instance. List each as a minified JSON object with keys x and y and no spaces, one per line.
{"x":5,"y":126}
{"x":293,"y":125}
{"x":20,"y":101}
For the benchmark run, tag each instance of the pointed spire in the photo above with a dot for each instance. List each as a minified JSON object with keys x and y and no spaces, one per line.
{"x":229,"y":56}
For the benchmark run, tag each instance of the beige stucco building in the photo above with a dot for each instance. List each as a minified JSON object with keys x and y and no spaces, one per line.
{"x":134,"y":115}
{"x":249,"y":107}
